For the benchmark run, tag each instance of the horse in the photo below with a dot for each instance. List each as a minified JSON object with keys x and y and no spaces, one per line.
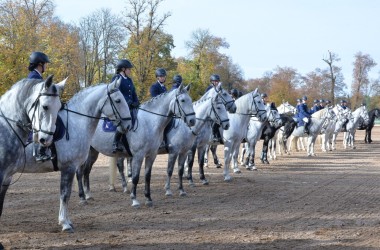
{"x":80,"y":116}
{"x":316,"y":121}
{"x":331,"y":128}
{"x":374,"y":113}
{"x":214,"y":92}
{"x":247,"y":105}
{"x":281,"y":136}
{"x":143,"y":139}
{"x":352,"y":125}
{"x":29,"y":105}
{"x":254,"y":133}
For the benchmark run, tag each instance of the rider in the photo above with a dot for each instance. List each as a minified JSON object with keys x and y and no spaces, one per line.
{"x":327,"y":103}
{"x":322,"y":104}
{"x":159,"y":86}
{"x":214,"y":81}
{"x":304,"y":115}
{"x":316,"y":107}
{"x":37,"y":66}
{"x":343,"y":105}
{"x":234,"y":94}
{"x":264,"y":98}
{"x":177,"y":80}
{"x":127,"y":88}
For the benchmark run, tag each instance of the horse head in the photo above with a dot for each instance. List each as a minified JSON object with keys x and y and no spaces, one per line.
{"x":220,"y":113}
{"x":257,"y":106}
{"x":226,"y":98}
{"x":285,"y":107}
{"x":182,"y":105}
{"x":274,"y":118}
{"x":116,"y":108}
{"x":43,"y":109}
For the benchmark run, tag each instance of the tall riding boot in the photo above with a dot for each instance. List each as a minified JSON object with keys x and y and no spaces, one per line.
{"x":42,"y":155}
{"x":306,"y":129}
{"x":116,"y":143}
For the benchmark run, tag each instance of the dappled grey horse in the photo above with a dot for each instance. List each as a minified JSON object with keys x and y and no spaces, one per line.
{"x":80,"y":116}
{"x":352,"y":125}
{"x":144,"y":139}
{"x":332,"y":126}
{"x":29,"y":104}
{"x":229,"y":104}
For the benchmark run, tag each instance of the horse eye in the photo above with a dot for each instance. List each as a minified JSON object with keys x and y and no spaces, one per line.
{"x":117,"y":100}
{"x":182,"y":100}
{"x":46,"y":108}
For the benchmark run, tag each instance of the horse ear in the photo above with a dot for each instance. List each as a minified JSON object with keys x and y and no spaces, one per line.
{"x":49,"y":81}
{"x":255,"y":92}
{"x":180,"y":88}
{"x":116,"y":83}
{"x":61,"y":86}
{"x":188,"y":87}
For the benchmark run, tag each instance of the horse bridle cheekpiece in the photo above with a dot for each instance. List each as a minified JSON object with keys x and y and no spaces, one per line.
{"x":258,"y":111}
{"x":116,"y":113}
{"x":213,"y":109}
{"x":181,"y":110}
{"x":220,"y":94}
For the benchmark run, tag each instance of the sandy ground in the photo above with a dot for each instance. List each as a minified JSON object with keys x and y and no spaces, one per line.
{"x":330,"y":201}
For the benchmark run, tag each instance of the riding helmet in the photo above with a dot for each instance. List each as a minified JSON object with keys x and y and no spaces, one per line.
{"x":38,"y":57}
{"x":177,"y":79}
{"x":215,"y":77}
{"x":124,"y":63}
{"x":160,"y":72}
{"x":304,"y":98}
{"x":263,"y":95}
{"x":316,"y":101}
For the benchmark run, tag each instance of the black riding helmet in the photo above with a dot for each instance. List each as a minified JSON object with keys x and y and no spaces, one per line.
{"x":235,"y":93}
{"x":38,"y":57}
{"x":263,"y":95}
{"x":214,"y":77}
{"x":160,"y":72}
{"x":177,"y":79}
{"x":123,"y":63}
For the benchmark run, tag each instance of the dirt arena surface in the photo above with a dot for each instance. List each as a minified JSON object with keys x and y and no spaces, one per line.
{"x":331,"y":201}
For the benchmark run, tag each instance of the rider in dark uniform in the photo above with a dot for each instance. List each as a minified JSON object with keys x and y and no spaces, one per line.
{"x":264,"y":98}
{"x":315,"y":108}
{"x":234,"y":93}
{"x":304,"y":115}
{"x":177,"y":80}
{"x":127,"y":88}
{"x":37,"y":66}
{"x":214,"y":81}
{"x":158,"y":87}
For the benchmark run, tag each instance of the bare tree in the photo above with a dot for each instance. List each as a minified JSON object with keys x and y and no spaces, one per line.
{"x":362,"y":65}
{"x":337,"y":84}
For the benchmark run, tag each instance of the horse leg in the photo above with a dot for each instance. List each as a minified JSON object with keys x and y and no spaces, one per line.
{"x":251,"y":156}
{"x":136,"y":168}
{"x":4,"y":185}
{"x":208,"y":146}
{"x":112,"y":171}
{"x":190,"y":163}
{"x":67,"y":177}
{"x":83,"y":177}
{"x":264,"y":158}
{"x":201,"y":155}
{"x":169,"y":172}
{"x":243,"y":162}
{"x":181,"y":164}
{"x":369,"y":135}
{"x":148,"y":175}
{"x":215,"y":156}
{"x":120,"y":167}
{"x":227,"y":159}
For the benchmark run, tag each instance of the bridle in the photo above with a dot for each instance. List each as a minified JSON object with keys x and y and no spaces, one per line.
{"x":224,"y":101}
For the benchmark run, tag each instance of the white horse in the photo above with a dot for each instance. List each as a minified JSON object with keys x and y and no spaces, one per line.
{"x":316,"y":121}
{"x":144,"y":139}
{"x":247,"y":105}
{"x":332,"y":127}
{"x":352,"y":125}
{"x":254,"y":132}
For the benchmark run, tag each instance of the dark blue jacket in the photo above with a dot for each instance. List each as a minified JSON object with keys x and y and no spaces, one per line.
{"x":34,"y":75}
{"x":175,"y":86}
{"x":209,"y":87}
{"x":315,"y":109}
{"x":128,"y":90}
{"x":156,"y":89}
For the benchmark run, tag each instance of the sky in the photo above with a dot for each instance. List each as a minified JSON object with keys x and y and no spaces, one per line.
{"x":265,"y":34}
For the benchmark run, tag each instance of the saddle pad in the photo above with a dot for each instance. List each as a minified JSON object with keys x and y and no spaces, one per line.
{"x":108,"y":126}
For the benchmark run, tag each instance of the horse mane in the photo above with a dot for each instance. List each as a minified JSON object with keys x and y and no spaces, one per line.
{"x":153,"y":100}
{"x":319,"y":113}
{"x":201,"y":100}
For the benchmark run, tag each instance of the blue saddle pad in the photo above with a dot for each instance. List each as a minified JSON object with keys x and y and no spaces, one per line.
{"x":108,"y":126}
{"x":59,"y":132}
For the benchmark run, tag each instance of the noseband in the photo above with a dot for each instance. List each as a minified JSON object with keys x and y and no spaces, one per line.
{"x":181,"y":111}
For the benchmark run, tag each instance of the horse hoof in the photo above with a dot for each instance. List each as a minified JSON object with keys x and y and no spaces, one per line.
{"x":135,"y":204}
{"x":169,"y":193}
{"x":112,"y":189}
{"x":149,"y":203}
{"x":227,"y":178}
{"x":266,"y":162}
{"x":191,"y":184}
{"x":237,"y":171}
{"x":68,"y":230}
{"x":182,"y":193}
{"x":204,"y":182}
{"x":83,"y":202}
{"x":89,"y":198}
{"x":206,"y":165}
{"x":219,"y":165}
{"x":125,"y":190}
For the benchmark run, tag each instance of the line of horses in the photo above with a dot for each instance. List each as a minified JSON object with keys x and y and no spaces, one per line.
{"x":31,"y":105}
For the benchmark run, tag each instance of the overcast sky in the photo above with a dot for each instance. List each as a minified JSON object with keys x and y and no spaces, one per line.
{"x":266,"y":34}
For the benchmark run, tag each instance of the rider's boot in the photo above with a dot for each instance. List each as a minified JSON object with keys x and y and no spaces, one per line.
{"x":42,"y":155}
{"x":116,"y":146}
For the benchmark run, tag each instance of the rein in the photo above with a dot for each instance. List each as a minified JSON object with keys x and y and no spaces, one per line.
{"x":256,"y":108}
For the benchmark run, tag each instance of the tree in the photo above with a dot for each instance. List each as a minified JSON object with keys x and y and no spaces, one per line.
{"x":101,"y":38}
{"x":337,"y":85}
{"x":285,"y":85}
{"x":360,"y":85}
{"x":148,"y":46}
